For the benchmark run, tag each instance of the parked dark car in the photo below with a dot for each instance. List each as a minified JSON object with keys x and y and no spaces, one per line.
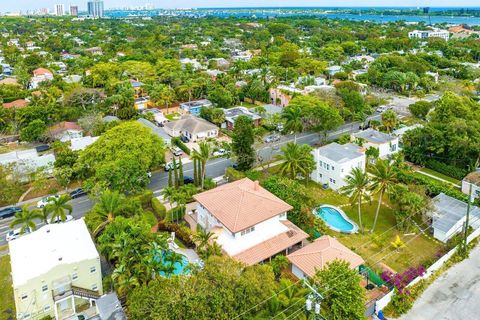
{"x":9,"y":212}
{"x":77,"y":193}
{"x":184,"y":139}
{"x":188,"y":180}
{"x":42,"y":148}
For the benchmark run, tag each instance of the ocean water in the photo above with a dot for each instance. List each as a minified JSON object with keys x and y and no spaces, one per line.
{"x":320,"y":12}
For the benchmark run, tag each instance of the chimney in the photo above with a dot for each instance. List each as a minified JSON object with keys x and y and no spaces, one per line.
{"x":256,"y":185}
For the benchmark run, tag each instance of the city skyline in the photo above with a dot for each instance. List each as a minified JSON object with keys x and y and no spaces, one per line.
{"x":25,"y":5}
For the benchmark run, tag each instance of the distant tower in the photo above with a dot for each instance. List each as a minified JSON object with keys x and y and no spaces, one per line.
{"x":59,"y":10}
{"x":95,"y":9}
{"x":74,"y":11}
{"x":426,"y":10}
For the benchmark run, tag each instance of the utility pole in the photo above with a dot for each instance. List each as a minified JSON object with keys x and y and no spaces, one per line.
{"x":314,"y":299}
{"x":463,"y":247}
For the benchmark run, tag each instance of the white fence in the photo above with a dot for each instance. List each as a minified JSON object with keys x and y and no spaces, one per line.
{"x":385,"y":300}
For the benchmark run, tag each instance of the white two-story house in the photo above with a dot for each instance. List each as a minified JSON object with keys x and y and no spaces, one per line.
{"x":385,"y":143}
{"x":249,"y":223}
{"x":334,"y":162}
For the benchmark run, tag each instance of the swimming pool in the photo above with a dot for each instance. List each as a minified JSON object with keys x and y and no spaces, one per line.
{"x":336,"y":219}
{"x":179,"y":268}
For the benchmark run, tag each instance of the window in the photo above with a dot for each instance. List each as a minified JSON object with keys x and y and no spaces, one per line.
{"x":320,"y":163}
{"x":74,"y":276}
{"x":94,"y":287}
{"x":247,"y":231}
{"x":333,"y":168}
{"x":328,"y":167}
{"x":44,"y":288}
{"x":93,"y":269}
{"x":46,"y":308}
{"x":283,"y":215}
{"x":24,"y":296}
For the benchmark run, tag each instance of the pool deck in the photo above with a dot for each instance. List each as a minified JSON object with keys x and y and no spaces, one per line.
{"x":191,"y":255}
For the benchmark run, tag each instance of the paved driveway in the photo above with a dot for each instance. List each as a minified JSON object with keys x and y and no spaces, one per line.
{"x":455,"y":295}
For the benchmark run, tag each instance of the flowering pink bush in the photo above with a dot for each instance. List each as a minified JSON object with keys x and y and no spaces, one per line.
{"x":401,"y":280}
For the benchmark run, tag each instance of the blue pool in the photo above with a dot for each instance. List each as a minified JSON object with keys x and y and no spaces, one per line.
{"x":179,"y":268}
{"x":336,"y":219}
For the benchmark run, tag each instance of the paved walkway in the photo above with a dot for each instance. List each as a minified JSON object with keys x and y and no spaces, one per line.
{"x":454,"y":295}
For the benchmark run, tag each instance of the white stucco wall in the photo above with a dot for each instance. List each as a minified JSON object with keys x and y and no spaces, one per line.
{"x":384,"y":149}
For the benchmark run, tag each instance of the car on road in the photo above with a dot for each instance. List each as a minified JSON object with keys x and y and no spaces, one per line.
{"x":188,"y":180}
{"x":272,"y":138}
{"x":280,"y":127}
{"x":184,"y":139}
{"x":219,"y":153}
{"x":77,"y":193}
{"x":14,"y":234}
{"x":58,"y":220}
{"x":9,"y":212}
{"x":46,"y":200}
{"x":169,"y":165}
{"x":177,"y":151}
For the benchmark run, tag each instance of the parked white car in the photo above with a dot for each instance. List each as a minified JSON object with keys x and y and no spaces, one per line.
{"x":46,"y":200}
{"x":13,"y":234}
{"x":219,"y":153}
{"x":58,"y":220}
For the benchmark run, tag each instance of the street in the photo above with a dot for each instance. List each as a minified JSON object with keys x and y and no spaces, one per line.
{"x":215,"y":168}
{"x":454,"y":295}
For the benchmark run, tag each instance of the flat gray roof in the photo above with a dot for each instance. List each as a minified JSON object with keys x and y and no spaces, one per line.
{"x":374,"y":136}
{"x":340,"y":152}
{"x":449,"y":211}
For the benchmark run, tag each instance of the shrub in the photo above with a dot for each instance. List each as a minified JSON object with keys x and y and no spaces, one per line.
{"x":149,"y":217}
{"x":446,"y":169}
{"x":182,"y":232}
{"x":209,"y":184}
{"x":253,"y":175}
{"x":179,"y":143}
{"x":145,"y":198}
{"x":158,"y":208}
{"x":233,"y":175}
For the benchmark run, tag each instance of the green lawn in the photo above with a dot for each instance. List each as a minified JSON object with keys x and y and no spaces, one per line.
{"x":173,"y":116}
{"x":7,"y":304}
{"x":441,"y":176}
{"x":376,"y":248}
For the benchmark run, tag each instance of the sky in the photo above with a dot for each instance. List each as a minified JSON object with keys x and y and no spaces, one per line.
{"x":16,"y":5}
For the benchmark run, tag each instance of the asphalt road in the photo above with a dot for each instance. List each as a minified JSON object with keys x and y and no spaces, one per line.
{"x":215,"y":168}
{"x":454,"y":295}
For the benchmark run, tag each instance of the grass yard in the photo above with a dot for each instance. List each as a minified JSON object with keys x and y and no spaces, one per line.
{"x":173,"y":116}
{"x":441,"y":176}
{"x":376,"y":248}
{"x":7,"y":304}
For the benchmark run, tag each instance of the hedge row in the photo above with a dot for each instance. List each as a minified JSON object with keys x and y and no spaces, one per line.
{"x":159,"y":209}
{"x":433,"y":187}
{"x":182,"y":232}
{"x":446,"y":169}
{"x":179,"y":143}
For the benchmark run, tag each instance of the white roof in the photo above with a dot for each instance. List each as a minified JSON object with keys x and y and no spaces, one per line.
{"x":35,"y":254}
{"x":82,"y":143}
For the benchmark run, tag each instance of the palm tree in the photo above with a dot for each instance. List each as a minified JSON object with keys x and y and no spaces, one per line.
{"x":383,"y":180}
{"x":58,"y":206}
{"x":202,"y":238}
{"x":26,"y":218}
{"x":203,"y":155}
{"x":356,"y":188}
{"x":293,"y":120}
{"x":108,"y":206}
{"x":45,"y":214}
{"x":297,"y":159}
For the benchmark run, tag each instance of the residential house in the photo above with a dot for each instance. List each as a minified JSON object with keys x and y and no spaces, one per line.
{"x":194,"y":128}
{"x":74,"y":78}
{"x":62,"y":67}
{"x":193,"y":62}
{"x":10,"y":81}
{"x":401,"y":131}
{"x":221,"y":63}
{"x":157,"y":115}
{"x":17,"y":104}
{"x":66,"y":131}
{"x":317,"y":255}
{"x":449,"y":215}
{"x":472,"y":180}
{"x":96,"y":51}
{"x":282,"y":94}
{"x":425,"y":34}
{"x":232,"y":114}
{"x":333,"y":70}
{"x":82,"y":142}
{"x":142,"y":103}
{"x":55,"y":271}
{"x":249,"y":223}
{"x":25,"y":162}
{"x":214,"y":74}
{"x":385,"y":143}
{"x":40,"y":75}
{"x":195,"y":107}
{"x":156,"y":130}
{"x":109,"y":308}
{"x":334,"y":162}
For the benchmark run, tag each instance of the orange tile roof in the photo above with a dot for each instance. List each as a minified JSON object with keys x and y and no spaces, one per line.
{"x":20,"y":103}
{"x":319,"y":253}
{"x":63,"y":126}
{"x":271,"y":247}
{"x":41,"y":71}
{"x":10,"y":81}
{"x":241,"y":204}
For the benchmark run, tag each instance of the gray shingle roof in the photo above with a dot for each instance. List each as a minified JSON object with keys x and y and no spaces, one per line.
{"x":191,"y":124}
{"x":156,"y":130}
{"x":340,"y":153}
{"x":374,"y":136}
{"x":449,"y":211}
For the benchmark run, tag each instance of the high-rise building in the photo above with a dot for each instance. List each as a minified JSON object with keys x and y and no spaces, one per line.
{"x":59,"y":10}
{"x":74,"y":11}
{"x":95,"y":8}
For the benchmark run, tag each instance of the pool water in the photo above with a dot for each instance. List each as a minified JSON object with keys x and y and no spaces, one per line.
{"x":334,"y":219}
{"x":179,"y":268}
